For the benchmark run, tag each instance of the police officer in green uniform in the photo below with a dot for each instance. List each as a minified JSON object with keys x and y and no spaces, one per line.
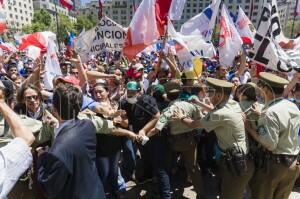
{"x":226,"y":119}
{"x":181,"y":136}
{"x":277,"y":132}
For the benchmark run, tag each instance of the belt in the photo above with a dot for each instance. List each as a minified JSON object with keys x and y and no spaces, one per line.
{"x":286,"y":160}
{"x":184,"y":135}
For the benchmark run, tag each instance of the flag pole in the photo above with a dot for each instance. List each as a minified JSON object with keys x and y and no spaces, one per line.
{"x":57,"y":26}
{"x":293,"y":25}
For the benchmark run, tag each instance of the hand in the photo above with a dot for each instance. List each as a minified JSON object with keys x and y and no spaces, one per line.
{"x":142,"y":133}
{"x":178,"y":115}
{"x":139,"y":139}
{"x":255,"y":109}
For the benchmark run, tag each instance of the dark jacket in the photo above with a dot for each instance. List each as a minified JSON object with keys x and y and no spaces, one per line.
{"x":68,"y":169}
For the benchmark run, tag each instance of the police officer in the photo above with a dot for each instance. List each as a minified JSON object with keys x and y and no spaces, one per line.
{"x":181,"y":136}
{"x":277,"y":132}
{"x":226,"y":120}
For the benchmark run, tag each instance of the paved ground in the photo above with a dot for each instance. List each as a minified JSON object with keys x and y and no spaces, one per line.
{"x":181,"y":189}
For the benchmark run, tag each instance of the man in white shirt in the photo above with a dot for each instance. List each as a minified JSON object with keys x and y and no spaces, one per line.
{"x":16,"y":156}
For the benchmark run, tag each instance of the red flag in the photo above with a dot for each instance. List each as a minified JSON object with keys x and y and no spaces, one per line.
{"x":297,"y":8}
{"x":146,"y":26}
{"x":100,"y":14}
{"x":67,"y":4}
{"x":36,"y":39}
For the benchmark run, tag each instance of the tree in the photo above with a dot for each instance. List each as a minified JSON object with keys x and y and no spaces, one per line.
{"x":41,"y":21}
{"x":288,"y":28}
{"x":65,"y":25}
{"x":85,"y":22}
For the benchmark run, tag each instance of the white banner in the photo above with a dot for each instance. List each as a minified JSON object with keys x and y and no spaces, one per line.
{"x":176,"y":9}
{"x":267,"y":49}
{"x":109,"y":37}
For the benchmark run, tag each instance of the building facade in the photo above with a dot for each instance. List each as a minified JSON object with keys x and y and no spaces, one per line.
{"x":18,"y":13}
{"x":121,"y":11}
{"x":49,"y":5}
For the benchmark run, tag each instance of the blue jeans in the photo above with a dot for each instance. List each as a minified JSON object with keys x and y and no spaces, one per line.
{"x":129,"y":158}
{"x":108,"y":170}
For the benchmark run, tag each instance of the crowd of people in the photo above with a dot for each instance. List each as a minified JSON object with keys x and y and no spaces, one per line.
{"x":109,"y":121}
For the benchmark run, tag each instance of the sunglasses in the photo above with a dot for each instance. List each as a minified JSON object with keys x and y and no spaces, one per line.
{"x":34,"y":97}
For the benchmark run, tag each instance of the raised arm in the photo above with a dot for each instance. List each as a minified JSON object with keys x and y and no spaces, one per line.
{"x":14,"y":122}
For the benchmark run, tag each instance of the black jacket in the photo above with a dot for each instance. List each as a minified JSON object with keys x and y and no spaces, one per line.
{"x":68,"y":170}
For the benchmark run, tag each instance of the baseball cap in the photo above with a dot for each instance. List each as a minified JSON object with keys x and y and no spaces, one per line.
{"x":133,"y":86}
{"x":69,"y":79}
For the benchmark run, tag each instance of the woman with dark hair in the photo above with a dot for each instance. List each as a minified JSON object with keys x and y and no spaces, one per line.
{"x":30,"y":103}
{"x":108,"y":147}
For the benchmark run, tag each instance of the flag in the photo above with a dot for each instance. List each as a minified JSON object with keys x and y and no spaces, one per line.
{"x":3,"y":26}
{"x":52,"y":66}
{"x":8,"y":47}
{"x":271,"y":49}
{"x":176,"y":9}
{"x":230,"y":41}
{"x":38,"y":39}
{"x":83,"y":42}
{"x":67,"y":4}
{"x":71,"y":39}
{"x":100,"y":12}
{"x":190,"y":48}
{"x":133,"y":6}
{"x":297,"y":8}
{"x":203,"y":23}
{"x":245,"y":27}
{"x":147,"y":25}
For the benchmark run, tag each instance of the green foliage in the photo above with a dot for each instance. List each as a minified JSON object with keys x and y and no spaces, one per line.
{"x":41,"y":22}
{"x":65,"y":25}
{"x":85,"y":22}
{"x":288,"y":28}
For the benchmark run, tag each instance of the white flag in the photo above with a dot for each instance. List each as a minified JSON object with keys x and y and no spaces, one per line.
{"x":271,"y":48}
{"x":176,"y":9}
{"x":189,"y":47}
{"x":202,"y":24}
{"x":245,"y":27}
{"x":230,"y":41}
{"x":52,"y":66}
{"x":83,"y":42}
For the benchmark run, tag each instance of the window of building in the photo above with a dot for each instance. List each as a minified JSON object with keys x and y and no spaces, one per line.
{"x":9,"y":7}
{"x":25,"y":6}
{"x":239,"y":1}
{"x":194,"y":10}
{"x":123,"y":11}
{"x":22,"y":18}
{"x":254,"y":13}
{"x":20,"y":4}
{"x":11,"y":15}
{"x":230,"y":1}
{"x":16,"y":10}
{"x":16,"y":16}
{"x":188,"y":5}
{"x":256,"y":7}
{"x":246,"y":7}
{"x":247,"y":1}
{"x":229,"y":7}
{"x":194,"y":5}
{"x":26,"y":19}
{"x":115,"y":17}
{"x":188,"y":11}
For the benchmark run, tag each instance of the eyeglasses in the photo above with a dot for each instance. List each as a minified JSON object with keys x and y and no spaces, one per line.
{"x":34,"y":97}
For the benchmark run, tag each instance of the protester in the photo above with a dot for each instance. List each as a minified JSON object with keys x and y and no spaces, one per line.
{"x":16,"y":156}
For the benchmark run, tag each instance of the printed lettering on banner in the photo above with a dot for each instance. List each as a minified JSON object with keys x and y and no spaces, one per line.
{"x":109,"y":37}
{"x":267,"y":51}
